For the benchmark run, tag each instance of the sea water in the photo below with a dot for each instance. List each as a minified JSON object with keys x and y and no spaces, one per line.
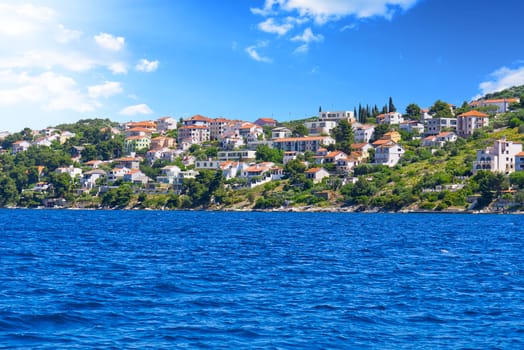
{"x":230,"y":280}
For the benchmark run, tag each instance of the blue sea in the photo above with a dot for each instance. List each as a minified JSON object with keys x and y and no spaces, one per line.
{"x":230,"y":280}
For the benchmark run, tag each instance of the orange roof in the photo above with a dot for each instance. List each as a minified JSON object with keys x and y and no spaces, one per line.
{"x":381,"y":142}
{"x":138,"y":129}
{"x":313,"y":170}
{"x":499,"y":100}
{"x":136,"y":137}
{"x":444,"y":133}
{"x":520,"y":154}
{"x":474,"y":114}
{"x":334,"y":154}
{"x":359,"y":145}
{"x":200,"y":117}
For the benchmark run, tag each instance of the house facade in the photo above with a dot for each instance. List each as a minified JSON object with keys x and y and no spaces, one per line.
{"x":498,"y":158}
{"x":388,"y":154}
{"x":470,"y":121}
{"x":364,"y":133}
{"x":390,"y":118}
{"x":303,"y":144}
{"x":436,"y":125}
{"x":501,"y":104}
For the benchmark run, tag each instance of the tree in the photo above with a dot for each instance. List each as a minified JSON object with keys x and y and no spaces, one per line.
{"x":8,"y":191}
{"x":343,"y":135}
{"x":441,"y":109}
{"x":391,"y":106}
{"x":413,"y":111}
{"x":300,"y":130}
{"x":265,"y":153}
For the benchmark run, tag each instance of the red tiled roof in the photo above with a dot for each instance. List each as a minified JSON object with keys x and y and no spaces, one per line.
{"x":474,"y":114}
{"x":309,"y":138}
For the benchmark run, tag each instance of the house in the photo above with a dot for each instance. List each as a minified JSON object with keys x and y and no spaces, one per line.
{"x":162,"y":142}
{"x":198,"y":120}
{"x":361,"y":148}
{"x":468,"y":122}
{"x":136,"y":176}
{"x":128,"y":162}
{"x":316,"y":174}
{"x":388,"y":154}
{"x":20,"y":146}
{"x":194,"y":134}
{"x":498,"y":158}
{"x":266,"y":122}
{"x":150,"y":125}
{"x":135,"y":143}
{"x":280,"y":133}
{"x":392,"y":135}
{"x":519,"y":161}
{"x":90,"y":178}
{"x":71,"y":171}
{"x":329,"y":157}
{"x":231,"y":140}
{"x":117,"y":173}
{"x":165,"y":124}
{"x":236,"y":155}
{"x":289,"y":156}
{"x":302,"y":144}
{"x":168,"y":174}
{"x":259,"y":169}
{"x":501,"y":104}
{"x":250,"y":131}
{"x":412,"y":126}
{"x":436,"y":125}
{"x":218,"y":127}
{"x":321,"y":127}
{"x":390,"y":118}
{"x":43,"y":142}
{"x":364,"y":133}
{"x":337,"y":116}
{"x":94,"y":164}
{"x":345,"y":165}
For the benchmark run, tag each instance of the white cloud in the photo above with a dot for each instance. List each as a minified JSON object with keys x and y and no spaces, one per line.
{"x":64,"y":35}
{"x":252,"y":51}
{"x":270,"y":26}
{"x":118,"y":68}
{"x":23,"y":19}
{"x":501,"y":79}
{"x":307,"y":37}
{"x":47,"y":60}
{"x":49,"y":90}
{"x":135,"y":110}
{"x":332,"y":10}
{"x":146,"y":66}
{"x":110,"y":42}
{"x":107,"y":89}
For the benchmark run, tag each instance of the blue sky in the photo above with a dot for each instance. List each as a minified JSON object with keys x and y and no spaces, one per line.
{"x":61,"y":61}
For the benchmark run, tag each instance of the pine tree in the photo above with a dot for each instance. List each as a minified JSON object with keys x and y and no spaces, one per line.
{"x":391,"y":106}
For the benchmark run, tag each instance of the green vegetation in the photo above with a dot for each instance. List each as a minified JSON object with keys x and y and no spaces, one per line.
{"x":425,"y":179}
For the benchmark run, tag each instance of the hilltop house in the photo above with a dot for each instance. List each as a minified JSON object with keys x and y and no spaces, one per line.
{"x":390,"y":118}
{"x":519,"y":161}
{"x":498,"y":158}
{"x":302,"y":144}
{"x":468,"y":122}
{"x":316,"y":174}
{"x":502,"y":104}
{"x":266,"y":122}
{"x":364,"y":133}
{"x":439,"y":140}
{"x":280,"y":133}
{"x":388,"y":153}
{"x":436,"y":125}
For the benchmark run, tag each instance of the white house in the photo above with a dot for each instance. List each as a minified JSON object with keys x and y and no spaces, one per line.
{"x":337,"y":116}
{"x":388,"y":154}
{"x":89,"y":178}
{"x":436,"y":125}
{"x":165,"y":124}
{"x":468,"y":122}
{"x":390,"y":118}
{"x":20,"y":146}
{"x":302,"y":144}
{"x":280,"y":133}
{"x":136,"y":176}
{"x":440,"y":139}
{"x":498,"y":158}
{"x":321,"y":127}
{"x":236,"y":155}
{"x":316,"y":174}
{"x":412,"y":126}
{"x":364,"y":133}
{"x":501,"y":104}
{"x":71,"y":171}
